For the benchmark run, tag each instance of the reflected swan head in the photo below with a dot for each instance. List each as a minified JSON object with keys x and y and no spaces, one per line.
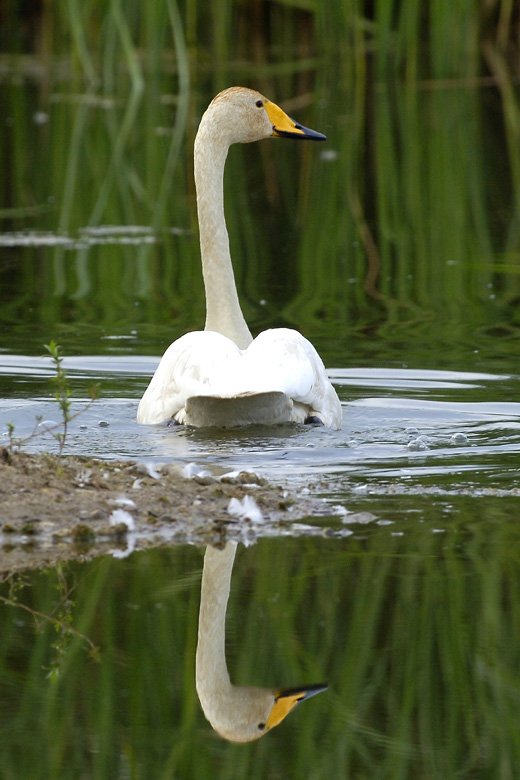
{"x":247,"y":713}
{"x":287,"y":699}
{"x":237,"y":713}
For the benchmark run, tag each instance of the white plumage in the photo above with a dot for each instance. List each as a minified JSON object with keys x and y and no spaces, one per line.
{"x":221,"y":376}
{"x":205,"y":366}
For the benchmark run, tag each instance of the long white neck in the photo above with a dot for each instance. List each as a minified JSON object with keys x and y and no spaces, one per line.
{"x":212,"y":678}
{"x":223,"y":312}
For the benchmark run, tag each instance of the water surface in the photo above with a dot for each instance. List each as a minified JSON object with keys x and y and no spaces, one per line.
{"x":403,"y":430}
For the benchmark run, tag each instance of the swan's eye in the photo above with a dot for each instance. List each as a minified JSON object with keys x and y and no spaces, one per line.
{"x":259,"y":104}
{"x":261,"y":726}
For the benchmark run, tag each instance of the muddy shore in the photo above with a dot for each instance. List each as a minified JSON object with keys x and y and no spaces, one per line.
{"x":54,"y":509}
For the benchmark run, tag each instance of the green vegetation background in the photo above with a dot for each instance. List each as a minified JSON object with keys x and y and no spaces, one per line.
{"x":398,"y":241}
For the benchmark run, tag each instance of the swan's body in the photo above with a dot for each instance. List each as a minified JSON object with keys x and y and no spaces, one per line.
{"x":221,"y":376}
{"x":237,"y":713}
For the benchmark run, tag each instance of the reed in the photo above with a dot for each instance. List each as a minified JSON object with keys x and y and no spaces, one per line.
{"x":409,"y":212}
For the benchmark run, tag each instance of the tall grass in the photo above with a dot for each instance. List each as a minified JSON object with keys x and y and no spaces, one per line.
{"x":410,"y":211}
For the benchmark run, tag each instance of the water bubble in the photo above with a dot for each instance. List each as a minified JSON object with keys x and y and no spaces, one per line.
{"x":44,"y":425}
{"x":360,"y":517}
{"x":40,"y":117}
{"x":417,"y":445}
{"x":329,"y":155}
{"x":459,"y":438}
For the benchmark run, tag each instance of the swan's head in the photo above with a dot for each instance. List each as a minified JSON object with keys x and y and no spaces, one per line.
{"x":242,"y":115}
{"x":246,"y":714}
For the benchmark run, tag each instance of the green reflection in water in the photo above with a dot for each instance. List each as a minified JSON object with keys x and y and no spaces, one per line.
{"x":415,"y":630}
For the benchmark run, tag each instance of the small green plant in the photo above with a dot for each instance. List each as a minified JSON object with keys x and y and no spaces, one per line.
{"x":10,"y":434}
{"x":61,"y":618}
{"x":62,"y":393}
{"x":63,"y":397}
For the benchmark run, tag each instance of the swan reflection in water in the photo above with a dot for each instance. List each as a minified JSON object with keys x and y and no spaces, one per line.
{"x":237,"y":713}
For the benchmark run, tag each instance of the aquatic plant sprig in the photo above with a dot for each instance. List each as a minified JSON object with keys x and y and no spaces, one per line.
{"x":63,"y":397}
{"x":62,"y":393}
{"x":60,"y":618}
{"x":62,"y":625}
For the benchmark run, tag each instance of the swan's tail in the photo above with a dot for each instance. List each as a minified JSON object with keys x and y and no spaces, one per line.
{"x":266,"y":408}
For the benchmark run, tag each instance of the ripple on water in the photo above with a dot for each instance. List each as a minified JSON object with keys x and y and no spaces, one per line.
{"x":462,"y":428}
{"x":87,"y":237}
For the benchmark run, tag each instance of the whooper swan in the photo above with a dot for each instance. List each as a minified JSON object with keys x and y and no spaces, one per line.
{"x":237,"y":713}
{"x":221,"y":376}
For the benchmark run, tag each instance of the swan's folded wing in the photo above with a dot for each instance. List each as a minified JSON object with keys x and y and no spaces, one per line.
{"x":283,"y":360}
{"x":188,"y":368}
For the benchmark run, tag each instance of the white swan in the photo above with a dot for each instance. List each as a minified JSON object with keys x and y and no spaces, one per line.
{"x":221,"y":376}
{"x":237,"y":713}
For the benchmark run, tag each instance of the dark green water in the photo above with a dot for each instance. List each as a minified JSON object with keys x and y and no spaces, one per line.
{"x":416,"y":632}
{"x":395,"y":248}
